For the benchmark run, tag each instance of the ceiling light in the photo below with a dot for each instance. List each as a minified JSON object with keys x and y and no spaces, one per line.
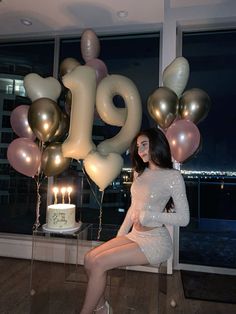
{"x":122,"y":14}
{"x":26,"y":22}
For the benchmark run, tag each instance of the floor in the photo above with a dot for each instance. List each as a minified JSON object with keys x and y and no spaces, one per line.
{"x":59,"y":289}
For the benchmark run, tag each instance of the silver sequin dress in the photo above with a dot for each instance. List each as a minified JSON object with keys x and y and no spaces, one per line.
{"x":150,"y":193}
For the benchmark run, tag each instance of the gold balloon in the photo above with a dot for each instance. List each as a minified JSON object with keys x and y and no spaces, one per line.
{"x":44,"y":117}
{"x":68,"y":65}
{"x":194,"y":105}
{"x":62,"y":129}
{"x":53,"y":162}
{"x":163,"y":106}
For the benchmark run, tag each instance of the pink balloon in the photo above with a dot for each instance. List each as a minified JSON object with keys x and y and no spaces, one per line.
{"x":19,"y":122}
{"x":24,"y":156}
{"x":184,"y":139}
{"x":100,"y":68}
{"x":90,"y":45}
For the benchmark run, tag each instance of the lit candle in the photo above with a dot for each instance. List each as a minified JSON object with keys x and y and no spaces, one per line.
{"x":63,"y":191}
{"x":69,"y":190}
{"x":55,"y":191}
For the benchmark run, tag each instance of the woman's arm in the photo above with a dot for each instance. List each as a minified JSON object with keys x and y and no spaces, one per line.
{"x":180,"y":216}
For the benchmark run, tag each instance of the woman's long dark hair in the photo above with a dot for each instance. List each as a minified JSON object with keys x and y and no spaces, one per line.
{"x":159,"y":150}
{"x":158,"y":147}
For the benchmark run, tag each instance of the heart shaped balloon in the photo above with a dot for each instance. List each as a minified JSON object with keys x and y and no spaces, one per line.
{"x":38,"y":87}
{"x":103,"y":169}
{"x":163,"y":106}
{"x":176,"y":74}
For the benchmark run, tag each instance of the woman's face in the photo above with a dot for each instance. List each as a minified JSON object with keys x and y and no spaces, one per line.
{"x":143,"y":148}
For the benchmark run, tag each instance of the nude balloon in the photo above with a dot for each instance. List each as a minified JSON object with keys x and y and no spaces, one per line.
{"x":38,"y":87}
{"x":82,"y":84}
{"x":120,"y":85}
{"x":176,"y":74}
{"x":19,"y":122}
{"x":103,"y":169}
{"x":184,"y":139}
{"x":90,"y":45}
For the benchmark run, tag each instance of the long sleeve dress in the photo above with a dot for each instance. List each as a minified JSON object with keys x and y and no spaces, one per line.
{"x":150,"y":193}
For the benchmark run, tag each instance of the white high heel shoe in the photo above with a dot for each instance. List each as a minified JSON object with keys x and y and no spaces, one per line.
{"x":105,"y":305}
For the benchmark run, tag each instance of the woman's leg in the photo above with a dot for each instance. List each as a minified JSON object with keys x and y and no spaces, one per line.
{"x":99,"y":249}
{"x":118,"y":252}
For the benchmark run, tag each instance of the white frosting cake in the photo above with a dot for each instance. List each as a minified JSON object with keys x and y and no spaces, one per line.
{"x":61,"y":216}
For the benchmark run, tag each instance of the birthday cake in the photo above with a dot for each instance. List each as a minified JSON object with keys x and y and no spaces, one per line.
{"x":60,"y":218}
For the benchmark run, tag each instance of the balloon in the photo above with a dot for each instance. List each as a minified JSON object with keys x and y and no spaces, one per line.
{"x":90,"y":45}
{"x":194,"y":105}
{"x":176,"y":74}
{"x":163,"y":106}
{"x":82,"y":84}
{"x":19,"y":122}
{"x":103,"y":169}
{"x":68,"y":65}
{"x":62,"y":129}
{"x":121,"y":85}
{"x":53,"y":161}
{"x":38,"y":87}
{"x":184,"y":139}
{"x":100,"y":68}
{"x":24,"y":156}
{"x":44,"y":117}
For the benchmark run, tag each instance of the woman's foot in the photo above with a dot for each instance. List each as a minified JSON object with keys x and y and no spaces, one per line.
{"x":104,"y":309}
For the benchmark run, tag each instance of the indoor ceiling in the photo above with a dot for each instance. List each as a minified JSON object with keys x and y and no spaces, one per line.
{"x":33,"y":17}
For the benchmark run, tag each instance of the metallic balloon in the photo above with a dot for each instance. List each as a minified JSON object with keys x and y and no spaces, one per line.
{"x":184,"y":139}
{"x":53,"y":162}
{"x":19,"y":122}
{"x":44,"y":116}
{"x":194,"y":105}
{"x":163,"y":106}
{"x":90,"y":45}
{"x":68,"y":65}
{"x":62,"y":129}
{"x":24,"y":156}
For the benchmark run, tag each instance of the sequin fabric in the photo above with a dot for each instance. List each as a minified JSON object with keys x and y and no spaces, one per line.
{"x":150,"y":193}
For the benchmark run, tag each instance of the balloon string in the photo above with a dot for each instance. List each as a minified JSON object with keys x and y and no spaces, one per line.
{"x":100,"y":217}
{"x":37,"y":223}
{"x":90,"y":185}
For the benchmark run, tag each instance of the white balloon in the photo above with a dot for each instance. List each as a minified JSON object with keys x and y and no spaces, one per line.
{"x":103,"y":169}
{"x":82,"y":83}
{"x":176,"y":74}
{"x":120,"y":85}
{"x":38,"y":87}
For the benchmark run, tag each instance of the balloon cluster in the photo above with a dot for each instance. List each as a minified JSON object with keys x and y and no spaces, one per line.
{"x":87,"y":85}
{"x":176,"y":113}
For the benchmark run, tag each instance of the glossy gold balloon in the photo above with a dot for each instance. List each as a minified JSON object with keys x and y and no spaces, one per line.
{"x":194,"y":105}
{"x":62,"y":129}
{"x":53,"y":162}
{"x":44,"y":116}
{"x":68,"y":65}
{"x":163,"y":106}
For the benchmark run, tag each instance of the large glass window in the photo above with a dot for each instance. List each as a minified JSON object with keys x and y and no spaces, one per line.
{"x":17,"y":191}
{"x":211,"y":174}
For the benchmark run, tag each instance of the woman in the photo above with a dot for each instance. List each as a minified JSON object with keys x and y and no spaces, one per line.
{"x":158,"y":198}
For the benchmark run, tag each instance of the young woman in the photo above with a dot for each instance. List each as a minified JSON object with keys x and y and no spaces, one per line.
{"x":158,"y":198}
